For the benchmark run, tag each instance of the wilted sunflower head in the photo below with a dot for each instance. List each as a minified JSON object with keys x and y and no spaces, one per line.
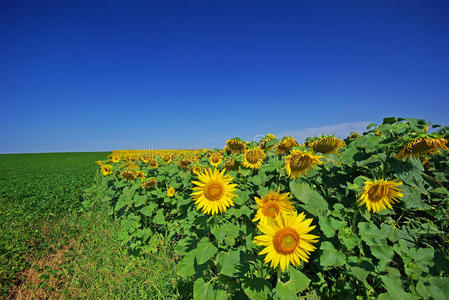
{"x":196,"y":170}
{"x":286,"y":144}
{"x":272,"y":204}
{"x":253,"y":158}
{"x":152,"y":162}
{"x":168,"y":157}
{"x":231,"y":164}
{"x":379,"y":194}
{"x":184,"y":163}
{"x":265,"y":140}
{"x":299,"y":162}
{"x":171,"y":191}
{"x":127,"y":174}
{"x":353,"y":135}
{"x":326,"y":145}
{"x":213,"y":191}
{"x":286,"y":240}
{"x":215,"y":159}
{"x":422,"y":145}
{"x":149,"y":184}
{"x":235,"y":146}
{"x":106,"y":169}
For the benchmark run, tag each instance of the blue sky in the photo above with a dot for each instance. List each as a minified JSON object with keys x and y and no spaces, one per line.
{"x":103,"y":75}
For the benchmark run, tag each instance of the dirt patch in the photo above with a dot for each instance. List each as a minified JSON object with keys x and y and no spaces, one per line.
{"x":45,"y":279}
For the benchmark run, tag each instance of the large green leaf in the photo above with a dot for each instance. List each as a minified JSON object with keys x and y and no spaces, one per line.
{"x":331,"y":256}
{"x":313,"y":201}
{"x":206,"y":250}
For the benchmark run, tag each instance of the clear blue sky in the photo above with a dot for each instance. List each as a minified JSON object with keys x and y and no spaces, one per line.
{"x":101,"y":75}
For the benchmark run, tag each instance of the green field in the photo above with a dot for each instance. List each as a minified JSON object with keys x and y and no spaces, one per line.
{"x":50,"y":246}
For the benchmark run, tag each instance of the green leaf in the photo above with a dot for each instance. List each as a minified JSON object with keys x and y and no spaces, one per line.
{"x":186,"y":266}
{"x":159,"y":218}
{"x":229,"y":263}
{"x":313,"y":201}
{"x":346,"y":157}
{"x":372,"y":143}
{"x":394,"y":288}
{"x":203,"y":290}
{"x":389,"y":120}
{"x":256,"y":288}
{"x":242,"y":197}
{"x":206,"y":250}
{"x":330,"y":256}
{"x":148,"y":210}
{"x":330,"y":225}
{"x":139,"y":200}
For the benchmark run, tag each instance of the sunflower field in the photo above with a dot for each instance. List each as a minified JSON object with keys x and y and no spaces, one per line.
{"x":364,"y":217}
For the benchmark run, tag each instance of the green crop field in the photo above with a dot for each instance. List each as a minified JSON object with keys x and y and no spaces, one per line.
{"x":35,"y":190}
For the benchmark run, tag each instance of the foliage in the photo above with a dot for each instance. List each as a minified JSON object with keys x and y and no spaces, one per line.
{"x":401,"y":252}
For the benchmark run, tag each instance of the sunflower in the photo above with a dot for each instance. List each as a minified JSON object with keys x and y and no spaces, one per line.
{"x":286,"y":240}
{"x":144,"y":158}
{"x":170,"y":192}
{"x":128,"y":175}
{"x":379,"y":194}
{"x":231,"y":164}
{"x":215,"y":159}
{"x":235,"y":146}
{"x":265,"y":140}
{"x":184,"y":163}
{"x":168,"y":157}
{"x":253,"y":158}
{"x":99,"y":163}
{"x":285,"y":145}
{"x":425,"y":145}
{"x":115,"y":159}
{"x":131,"y":166}
{"x":299,"y":162}
{"x":149,"y":184}
{"x":106,"y":169}
{"x":272,"y":204}
{"x":196,"y":170}
{"x":213,"y":192}
{"x":353,"y":135}
{"x":152,"y":162}
{"x":326,"y":145}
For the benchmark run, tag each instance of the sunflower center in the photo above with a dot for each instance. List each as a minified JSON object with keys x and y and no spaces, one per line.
{"x":271,"y":209}
{"x":213,"y":192}
{"x":286,"y":240}
{"x":324,"y":148}
{"x":377,"y":192}
{"x":300,"y":162}
{"x":252,"y":157}
{"x":215,"y":159}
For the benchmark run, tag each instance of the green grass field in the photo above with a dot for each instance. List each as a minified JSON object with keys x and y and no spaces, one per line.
{"x":51,"y":247}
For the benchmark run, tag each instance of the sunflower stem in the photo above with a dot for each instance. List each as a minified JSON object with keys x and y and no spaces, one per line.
{"x":278,"y":271}
{"x":354,"y":219}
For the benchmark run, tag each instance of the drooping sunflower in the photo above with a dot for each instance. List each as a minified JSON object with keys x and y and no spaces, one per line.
{"x":184,"y":163}
{"x":299,"y":162}
{"x":215,"y":159}
{"x":140,"y":174}
{"x":213,"y":192}
{"x":326,"y":145}
{"x":253,"y":158}
{"x":144,"y":158}
{"x":152,"y":162}
{"x":426,"y":163}
{"x":127,"y":174}
{"x":168,"y":157}
{"x":380,"y":194}
{"x":171,"y":192}
{"x":106,"y":169}
{"x":286,"y":144}
{"x":231,"y":164}
{"x":272,"y":204}
{"x":353,"y":135}
{"x":131,"y":166}
{"x":422,"y":145}
{"x":149,"y":184}
{"x":286,"y":240}
{"x":265,"y":140}
{"x":196,"y":170}
{"x":235,"y":146}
